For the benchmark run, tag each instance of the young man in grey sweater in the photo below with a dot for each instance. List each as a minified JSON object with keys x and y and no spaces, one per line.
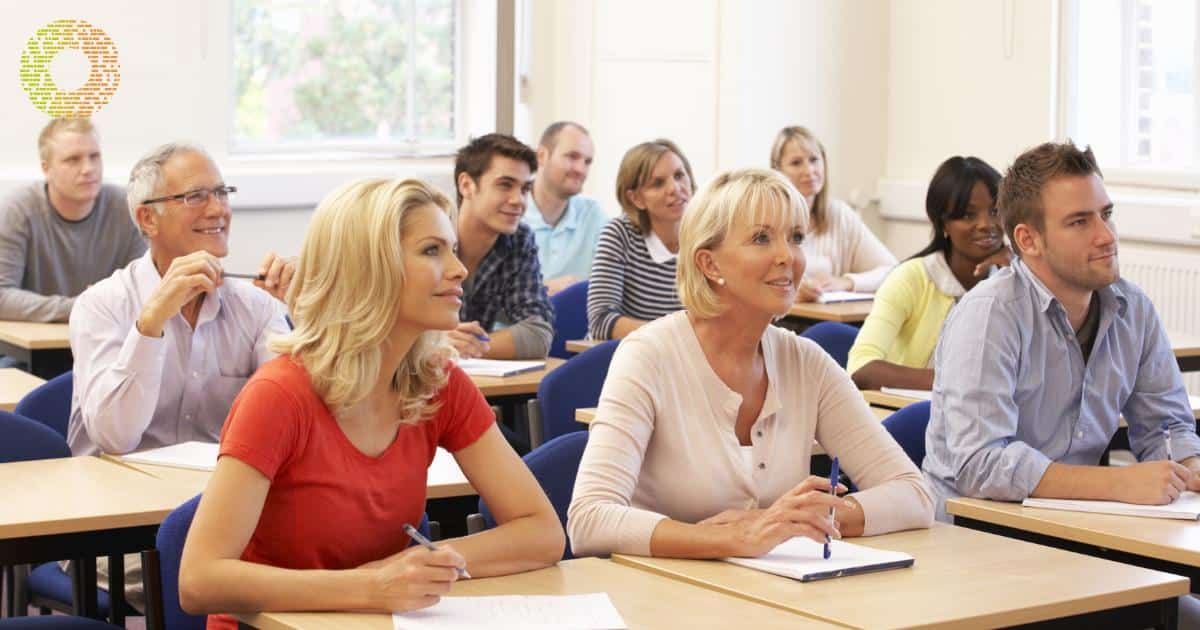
{"x":61,"y":235}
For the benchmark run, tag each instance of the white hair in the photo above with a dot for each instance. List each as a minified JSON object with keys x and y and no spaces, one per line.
{"x":146,"y":178}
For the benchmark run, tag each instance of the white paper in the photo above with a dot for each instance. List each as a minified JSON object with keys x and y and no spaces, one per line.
{"x":800,"y":557}
{"x":1195,"y":401}
{"x":919,"y":394}
{"x":831,"y":297}
{"x":1186,"y":507}
{"x":193,"y":455}
{"x":444,"y":470}
{"x":494,"y":367}
{"x":592,"y":611}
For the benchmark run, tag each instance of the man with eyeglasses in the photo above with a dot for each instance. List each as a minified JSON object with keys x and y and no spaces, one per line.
{"x":164,"y":345}
{"x":63,"y":234}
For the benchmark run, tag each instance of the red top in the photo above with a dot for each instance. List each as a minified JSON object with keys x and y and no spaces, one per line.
{"x":331,"y":506}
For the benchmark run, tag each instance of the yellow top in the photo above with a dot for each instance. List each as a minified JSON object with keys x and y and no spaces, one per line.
{"x":908,"y":313}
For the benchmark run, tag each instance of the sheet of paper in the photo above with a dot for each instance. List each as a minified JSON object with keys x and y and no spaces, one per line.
{"x":919,"y":394}
{"x":194,"y":455}
{"x":1195,"y":400}
{"x":831,"y":297}
{"x":1186,"y":507}
{"x":799,"y":558}
{"x":592,"y":611}
{"x":494,"y":367}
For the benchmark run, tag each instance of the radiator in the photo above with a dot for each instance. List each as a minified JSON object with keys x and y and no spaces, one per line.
{"x":1173,"y":282}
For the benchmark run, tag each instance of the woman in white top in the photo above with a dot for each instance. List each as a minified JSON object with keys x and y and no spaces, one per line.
{"x":702,"y":438}
{"x":843,"y":254}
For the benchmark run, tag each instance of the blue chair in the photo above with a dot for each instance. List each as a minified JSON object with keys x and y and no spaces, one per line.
{"x":907,"y":427}
{"x":50,"y":403}
{"x":573,"y":385}
{"x":554,"y":465}
{"x":56,"y":622}
{"x":834,"y":338}
{"x":570,"y":317}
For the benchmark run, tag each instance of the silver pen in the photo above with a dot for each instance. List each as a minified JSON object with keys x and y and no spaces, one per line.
{"x":428,"y":544}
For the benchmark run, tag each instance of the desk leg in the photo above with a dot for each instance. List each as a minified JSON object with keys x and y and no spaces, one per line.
{"x":83,"y":587}
{"x":116,"y":589}
{"x":1188,"y":364}
{"x":50,"y":363}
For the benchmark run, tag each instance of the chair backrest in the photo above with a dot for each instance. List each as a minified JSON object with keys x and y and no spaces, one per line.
{"x":169,"y":542}
{"x":835,"y":338}
{"x":50,"y":403}
{"x":573,"y":385}
{"x":22,"y":439}
{"x":570,"y":317}
{"x":907,"y":427}
{"x":554,"y":465}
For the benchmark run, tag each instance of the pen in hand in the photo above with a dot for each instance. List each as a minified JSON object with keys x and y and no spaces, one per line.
{"x":244,"y":276}
{"x":428,"y":544}
{"x":833,"y":481}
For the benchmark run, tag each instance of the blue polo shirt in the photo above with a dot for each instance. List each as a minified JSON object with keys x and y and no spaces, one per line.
{"x":566,"y":249}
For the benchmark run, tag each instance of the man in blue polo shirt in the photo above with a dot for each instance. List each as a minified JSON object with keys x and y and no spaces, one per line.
{"x":566,"y":225}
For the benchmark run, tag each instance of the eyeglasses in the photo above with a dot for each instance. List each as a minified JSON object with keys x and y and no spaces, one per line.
{"x":198,"y":197}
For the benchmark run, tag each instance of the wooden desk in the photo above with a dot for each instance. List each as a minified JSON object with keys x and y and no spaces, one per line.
{"x":876,"y":398}
{"x":1157,"y":543}
{"x":845,"y":312}
{"x":1187,"y":350}
{"x":518,"y":385}
{"x":45,"y":347}
{"x":961,"y":578}
{"x":579,"y":345}
{"x":14,"y":384}
{"x":644,"y":601}
{"x":78,"y":508}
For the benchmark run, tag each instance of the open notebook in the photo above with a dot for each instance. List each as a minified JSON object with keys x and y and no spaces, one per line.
{"x":194,"y":455}
{"x":1186,"y":507}
{"x":832,"y":297}
{"x":494,"y":367}
{"x":919,"y":394}
{"x":801,"y":559}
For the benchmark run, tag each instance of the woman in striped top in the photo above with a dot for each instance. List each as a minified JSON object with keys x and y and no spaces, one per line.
{"x":633,"y":272}
{"x":843,"y":254}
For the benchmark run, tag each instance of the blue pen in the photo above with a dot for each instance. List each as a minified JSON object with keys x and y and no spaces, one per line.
{"x":483,"y":337}
{"x":833,"y":481}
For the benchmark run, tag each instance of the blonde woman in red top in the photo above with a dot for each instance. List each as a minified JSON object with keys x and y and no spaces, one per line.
{"x":324,"y":454}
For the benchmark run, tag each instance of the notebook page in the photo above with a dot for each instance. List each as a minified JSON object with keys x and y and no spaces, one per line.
{"x":800,"y":557}
{"x":193,"y":455}
{"x":496,"y":367}
{"x":831,"y":297}
{"x":592,"y":611}
{"x":919,"y":394}
{"x":1186,"y":507}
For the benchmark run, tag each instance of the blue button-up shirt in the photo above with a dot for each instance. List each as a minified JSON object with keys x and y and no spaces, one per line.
{"x":567,"y":247}
{"x":1012,"y":394}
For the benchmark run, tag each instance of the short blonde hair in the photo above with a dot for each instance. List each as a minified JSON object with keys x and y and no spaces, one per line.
{"x":349,"y":280}
{"x":635,"y":170}
{"x":760,"y":192}
{"x":817,"y":213}
{"x":57,"y":126}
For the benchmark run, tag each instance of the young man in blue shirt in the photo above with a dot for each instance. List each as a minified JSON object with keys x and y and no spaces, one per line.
{"x":1036,"y":364}
{"x":565,"y":223}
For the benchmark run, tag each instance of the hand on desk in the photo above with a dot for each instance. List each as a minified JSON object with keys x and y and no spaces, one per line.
{"x":277,"y":275}
{"x":802,"y":511}
{"x":1154,"y":483}
{"x":811,"y":289}
{"x":413,"y":578}
{"x":470,"y":339}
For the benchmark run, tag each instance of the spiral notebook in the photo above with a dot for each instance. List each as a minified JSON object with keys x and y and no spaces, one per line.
{"x":1186,"y":507}
{"x":802,"y":559}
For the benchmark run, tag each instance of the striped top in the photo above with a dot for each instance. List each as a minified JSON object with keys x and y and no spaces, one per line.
{"x":626,"y":281}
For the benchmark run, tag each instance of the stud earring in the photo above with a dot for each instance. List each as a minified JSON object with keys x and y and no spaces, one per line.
{"x":721,"y":281}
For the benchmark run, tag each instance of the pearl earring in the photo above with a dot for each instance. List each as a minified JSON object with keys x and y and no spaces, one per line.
{"x":721,"y":281}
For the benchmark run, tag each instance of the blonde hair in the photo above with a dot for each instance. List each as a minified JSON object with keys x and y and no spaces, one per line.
{"x":57,"y":126}
{"x":762,"y":193}
{"x":342,"y":300}
{"x":817,"y":213}
{"x":635,"y":170}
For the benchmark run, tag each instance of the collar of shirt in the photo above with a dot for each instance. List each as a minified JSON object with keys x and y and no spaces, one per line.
{"x":567,"y":222}
{"x":1111,"y":296}
{"x":658,"y":251}
{"x":942,"y":277}
{"x":148,"y":279}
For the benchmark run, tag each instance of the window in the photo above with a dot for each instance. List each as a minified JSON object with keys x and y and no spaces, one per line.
{"x":344,"y":76}
{"x":1129,"y":87}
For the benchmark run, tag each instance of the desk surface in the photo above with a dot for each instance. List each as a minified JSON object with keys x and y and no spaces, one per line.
{"x":14,"y":384}
{"x":35,"y":335}
{"x":1184,"y":345}
{"x":961,"y":578}
{"x":643,"y":599}
{"x":1160,"y":538}
{"x":75,"y":494}
{"x":516,"y":385}
{"x":579,"y":345}
{"x":877,"y":398}
{"x":845,"y":312}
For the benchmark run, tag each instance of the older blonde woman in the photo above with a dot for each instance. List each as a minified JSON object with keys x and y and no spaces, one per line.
{"x":633,"y":272}
{"x":843,"y":254}
{"x":324,"y":454}
{"x":711,"y":457}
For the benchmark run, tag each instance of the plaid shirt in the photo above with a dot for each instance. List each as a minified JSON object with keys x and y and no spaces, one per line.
{"x":507,"y":286}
